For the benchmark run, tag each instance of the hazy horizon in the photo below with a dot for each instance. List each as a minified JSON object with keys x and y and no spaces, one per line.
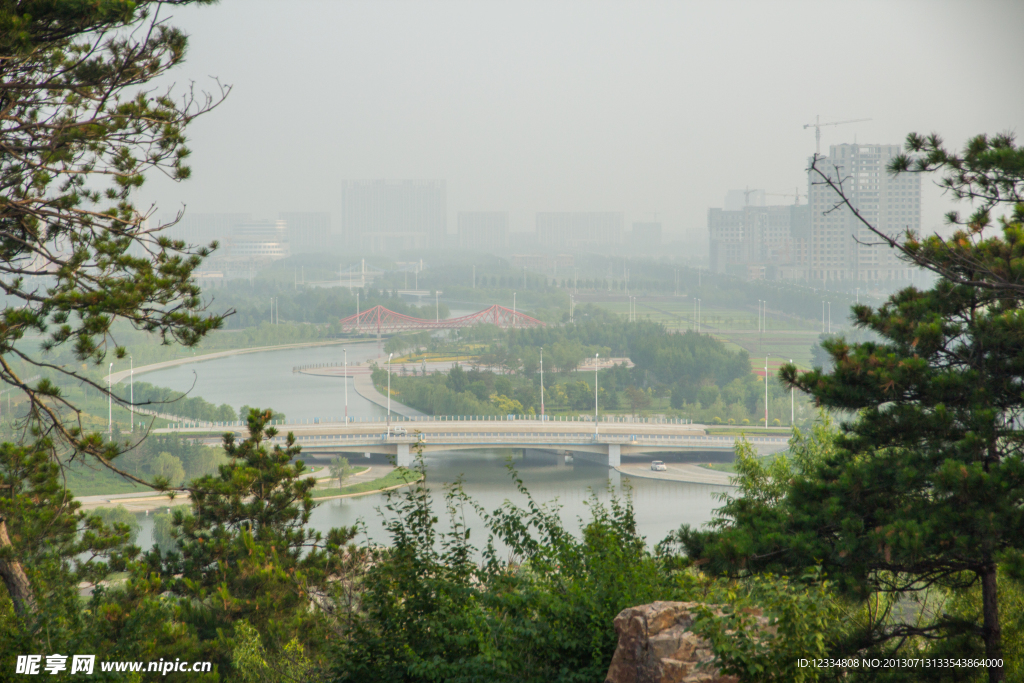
{"x":654,"y":109}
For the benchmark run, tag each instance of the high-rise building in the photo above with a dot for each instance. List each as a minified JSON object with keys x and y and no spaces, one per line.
{"x":260,"y":240}
{"x":755,"y":239}
{"x":386,"y":215}
{"x":309,"y":232}
{"x":841,"y":248}
{"x":579,"y":230}
{"x":483,"y":230}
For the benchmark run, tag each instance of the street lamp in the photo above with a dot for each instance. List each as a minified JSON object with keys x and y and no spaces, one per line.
{"x":542,"y":384}
{"x":346,"y":386}
{"x":110,"y":402}
{"x":131,"y":383}
{"x":389,"y":394}
{"x":595,"y":396}
{"x":766,"y":392}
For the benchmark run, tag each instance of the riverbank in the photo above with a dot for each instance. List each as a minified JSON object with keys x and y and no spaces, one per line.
{"x":372,"y":479}
{"x":121,"y":375}
{"x":680,"y":472}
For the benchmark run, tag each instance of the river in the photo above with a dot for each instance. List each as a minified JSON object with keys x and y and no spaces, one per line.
{"x":266,"y":379}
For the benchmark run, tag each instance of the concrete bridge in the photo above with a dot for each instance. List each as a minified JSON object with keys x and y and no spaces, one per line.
{"x":606,"y":444}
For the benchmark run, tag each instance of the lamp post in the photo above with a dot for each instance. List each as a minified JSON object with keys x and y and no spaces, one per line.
{"x":131,"y":384}
{"x":595,"y":396}
{"x":346,"y":386}
{"x":542,"y":384}
{"x":766,"y":392}
{"x":437,"y":306}
{"x":389,"y":394}
{"x":110,"y":403}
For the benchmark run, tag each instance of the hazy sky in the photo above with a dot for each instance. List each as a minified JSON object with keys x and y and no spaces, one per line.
{"x":651,"y":108}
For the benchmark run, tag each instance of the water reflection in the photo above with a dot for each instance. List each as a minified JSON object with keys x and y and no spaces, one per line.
{"x":660,"y":506}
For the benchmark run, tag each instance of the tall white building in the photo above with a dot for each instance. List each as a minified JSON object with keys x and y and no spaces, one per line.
{"x":380,"y":216}
{"x":841,"y":248}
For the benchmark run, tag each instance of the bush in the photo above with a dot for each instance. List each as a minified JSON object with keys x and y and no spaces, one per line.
{"x":540,"y":609}
{"x":716,"y":420}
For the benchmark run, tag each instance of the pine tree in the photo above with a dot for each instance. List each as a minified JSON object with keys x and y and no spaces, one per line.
{"x":245,"y":550}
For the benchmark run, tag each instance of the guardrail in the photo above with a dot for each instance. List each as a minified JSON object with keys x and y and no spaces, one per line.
{"x":547,"y":419}
{"x":528,"y":437}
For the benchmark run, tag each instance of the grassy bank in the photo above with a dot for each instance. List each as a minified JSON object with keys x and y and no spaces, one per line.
{"x":397,"y":477}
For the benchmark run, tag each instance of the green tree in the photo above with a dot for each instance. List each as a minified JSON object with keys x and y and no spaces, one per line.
{"x":638,"y":400}
{"x":927,"y":486}
{"x":245,"y":550}
{"x":340,"y":470}
{"x":168,"y":468}
{"x":82,"y":127}
{"x":119,"y":517}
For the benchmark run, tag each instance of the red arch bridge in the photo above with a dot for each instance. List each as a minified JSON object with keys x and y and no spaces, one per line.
{"x":380,"y":320}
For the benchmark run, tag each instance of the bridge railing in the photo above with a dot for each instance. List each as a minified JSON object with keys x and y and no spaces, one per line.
{"x":528,"y":437}
{"x":335,"y":421}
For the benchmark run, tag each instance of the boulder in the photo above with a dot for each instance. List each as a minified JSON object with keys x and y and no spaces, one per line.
{"x":657,"y":646}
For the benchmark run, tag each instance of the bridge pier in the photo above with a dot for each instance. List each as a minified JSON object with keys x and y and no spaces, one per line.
{"x":614,"y":455}
{"x":403,"y":456}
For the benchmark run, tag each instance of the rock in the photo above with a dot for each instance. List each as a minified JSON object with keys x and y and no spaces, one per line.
{"x":657,"y":646}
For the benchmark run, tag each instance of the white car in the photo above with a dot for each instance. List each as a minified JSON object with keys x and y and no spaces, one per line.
{"x":398,"y":431}
{"x":658,"y":466}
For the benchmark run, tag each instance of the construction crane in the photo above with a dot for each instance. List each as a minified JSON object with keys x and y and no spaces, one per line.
{"x":796,"y":194}
{"x":746,"y":195}
{"x":817,"y":129}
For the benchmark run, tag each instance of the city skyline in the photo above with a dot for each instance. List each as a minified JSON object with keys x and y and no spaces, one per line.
{"x":577,"y":107}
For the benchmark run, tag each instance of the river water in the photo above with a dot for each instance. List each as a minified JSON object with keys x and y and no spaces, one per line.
{"x":266,"y":380}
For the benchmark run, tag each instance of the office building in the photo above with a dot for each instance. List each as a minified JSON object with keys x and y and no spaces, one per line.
{"x":485,"y":231}
{"x":579,"y":230}
{"x":381,"y":216}
{"x":260,"y":241}
{"x":823,"y":242}
{"x":309,"y":232}
{"x":753,"y":240}
{"x":841,"y":248}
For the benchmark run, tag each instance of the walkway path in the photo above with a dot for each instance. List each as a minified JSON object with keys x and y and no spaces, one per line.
{"x":693,"y":474}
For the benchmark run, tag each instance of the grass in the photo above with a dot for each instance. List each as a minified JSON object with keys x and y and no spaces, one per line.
{"x":358,"y":469}
{"x":85,"y":480}
{"x":395,"y":477}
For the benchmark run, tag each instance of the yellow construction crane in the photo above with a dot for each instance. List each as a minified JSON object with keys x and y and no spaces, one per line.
{"x":817,"y":129}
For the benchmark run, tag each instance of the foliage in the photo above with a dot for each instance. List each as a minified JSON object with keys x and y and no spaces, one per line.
{"x":119,"y":519}
{"x":245,"y":551}
{"x":926,"y":486}
{"x":171,"y":402}
{"x":53,"y":546}
{"x":252,"y":664}
{"x":340,"y":470}
{"x":87,"y":131}
{"x":802,"y":615}
{"x":431,"y":612}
